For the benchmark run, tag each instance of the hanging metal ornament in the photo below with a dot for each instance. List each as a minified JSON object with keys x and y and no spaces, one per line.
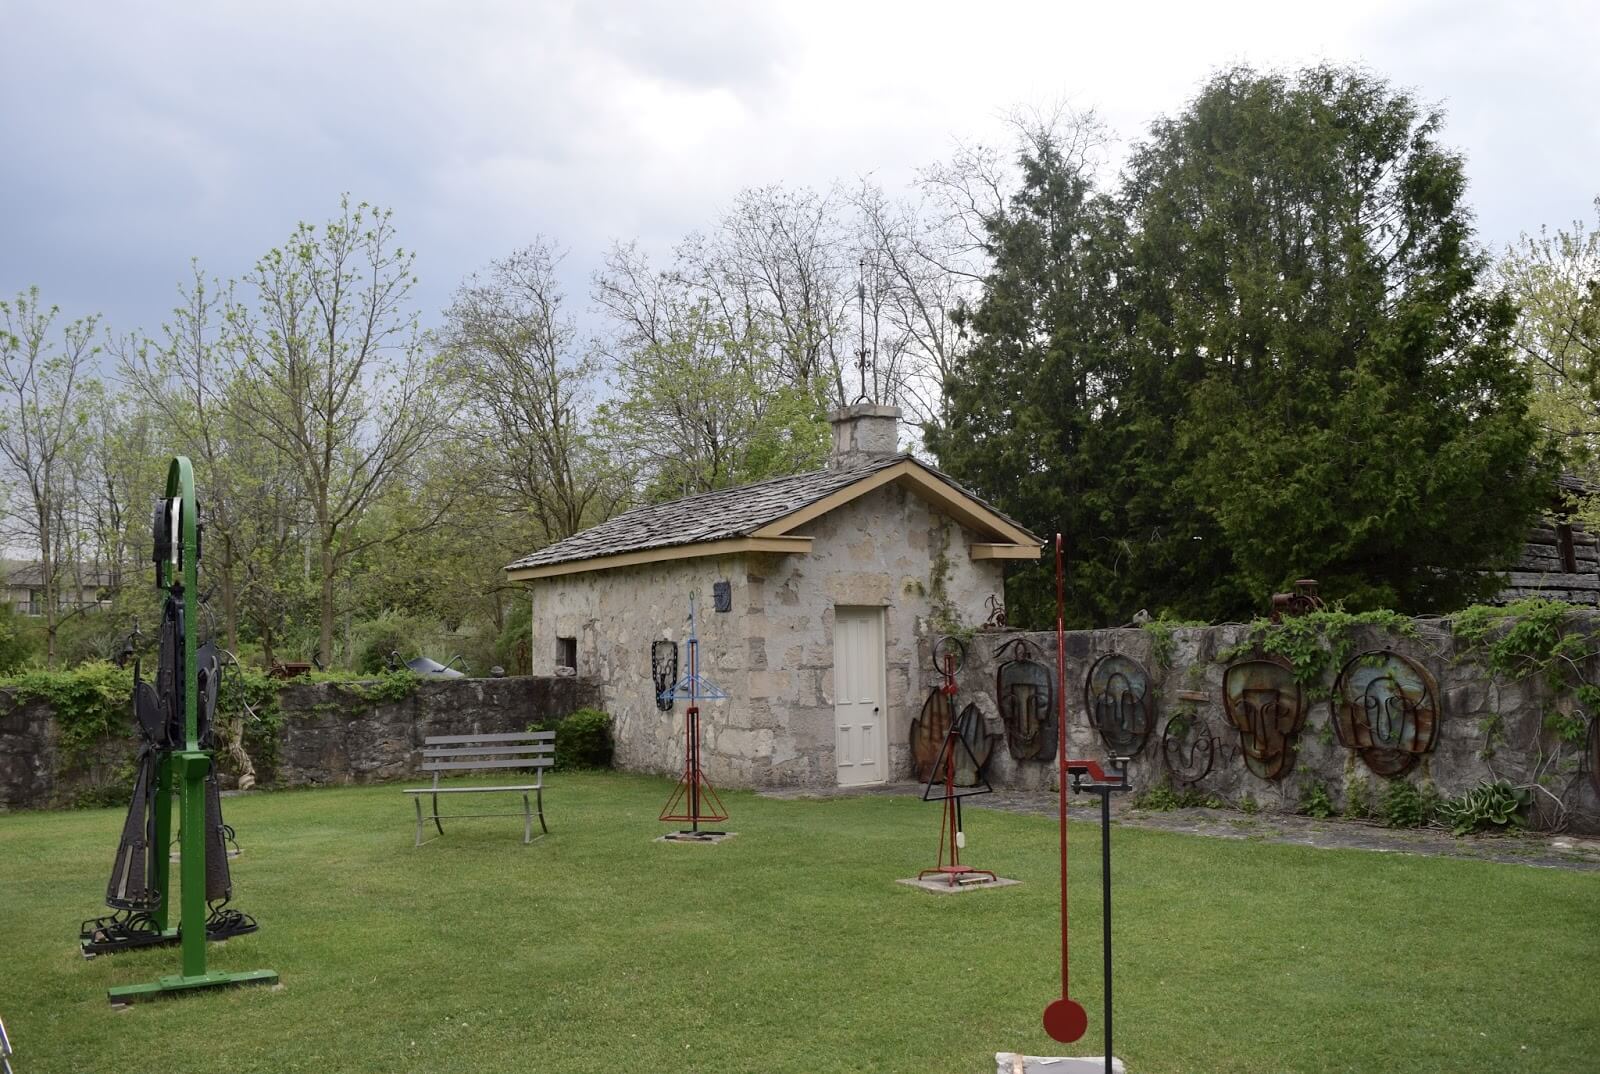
{"x":1188,"y":747}
{"x":1267,"y":707}
{"x":1386,"y":709}
{"x":1025,"y":693}
{"x":1120,"y":698}
{"x":664,"y":671}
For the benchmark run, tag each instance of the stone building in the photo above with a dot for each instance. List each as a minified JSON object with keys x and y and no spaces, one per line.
{"x":811,"y":590}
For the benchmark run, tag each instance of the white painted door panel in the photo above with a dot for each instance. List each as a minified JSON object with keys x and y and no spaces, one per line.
{"x":860,"y":741}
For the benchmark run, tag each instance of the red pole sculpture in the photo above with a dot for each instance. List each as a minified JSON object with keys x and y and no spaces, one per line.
{"x":950,"y":827}
{"x":1065,"y":1019}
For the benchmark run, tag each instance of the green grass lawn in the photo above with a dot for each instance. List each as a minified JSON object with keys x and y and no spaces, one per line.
{"x":790,"y":948}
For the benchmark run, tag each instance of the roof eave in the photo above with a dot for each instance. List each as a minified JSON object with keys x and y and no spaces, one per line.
{"x":729,"y":546}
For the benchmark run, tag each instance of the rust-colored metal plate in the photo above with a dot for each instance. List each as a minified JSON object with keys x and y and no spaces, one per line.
{"x":1386,"y":708}
{"x":1267,"y":707}
{"x":1120,"y":698}
{"x":928,"y":732}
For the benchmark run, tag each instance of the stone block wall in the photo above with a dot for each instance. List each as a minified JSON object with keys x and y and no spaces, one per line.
{"x":330,"y":735}
{"x":1490,"y":729}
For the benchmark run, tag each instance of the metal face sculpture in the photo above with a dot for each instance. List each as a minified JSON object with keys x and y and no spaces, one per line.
{"x":1120,"y":699}
{"x":932,"y":727}
{"x":1267,"y":707}
{"x":1386,"y":709}
{"x":1026,"y":696}
{"x":664,"y":670}
{"x":1188,"y":747}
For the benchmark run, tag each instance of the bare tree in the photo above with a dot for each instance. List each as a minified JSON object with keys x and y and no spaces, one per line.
{"x":331,"y":372}
{"x":48,"y":389}
{"x":511,"y":348}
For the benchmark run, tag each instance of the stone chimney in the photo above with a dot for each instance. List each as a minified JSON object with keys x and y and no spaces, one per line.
{"x":863,"y":432}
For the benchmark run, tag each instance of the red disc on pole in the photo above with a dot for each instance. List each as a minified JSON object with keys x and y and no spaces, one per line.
{"x":1065,"y":1020}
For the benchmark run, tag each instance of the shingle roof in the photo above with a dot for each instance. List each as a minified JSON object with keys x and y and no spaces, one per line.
{"x":715,"y":516}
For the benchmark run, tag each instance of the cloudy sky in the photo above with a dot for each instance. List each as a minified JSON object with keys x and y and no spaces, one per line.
{"x":134,"y":136}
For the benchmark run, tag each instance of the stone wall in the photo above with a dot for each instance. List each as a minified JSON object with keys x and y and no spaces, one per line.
{"x":773,"y":650}
{"x":329,"y":735}
{"x":1489,"y":729}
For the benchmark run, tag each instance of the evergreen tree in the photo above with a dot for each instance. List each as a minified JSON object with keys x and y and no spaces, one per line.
{"x":1293,"y":365}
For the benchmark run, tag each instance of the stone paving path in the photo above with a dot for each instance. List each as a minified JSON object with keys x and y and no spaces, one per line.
{"x":1548,"y":851}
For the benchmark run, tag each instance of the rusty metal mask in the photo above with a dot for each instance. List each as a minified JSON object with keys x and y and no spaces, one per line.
{"x":1025,"y":691}
{"x":1120,"y":698}
{"x":1267,"y":707}
{"x":1188,"y":747}
{"x":1386,"y":708}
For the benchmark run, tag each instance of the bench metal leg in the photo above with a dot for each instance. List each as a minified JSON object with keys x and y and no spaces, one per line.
{"x":538,"y":794}
{"x":418,"y":801}
{"x":436,"y":823}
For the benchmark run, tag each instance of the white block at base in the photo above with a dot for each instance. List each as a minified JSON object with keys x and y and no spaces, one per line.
{"x":1012,"y":1063}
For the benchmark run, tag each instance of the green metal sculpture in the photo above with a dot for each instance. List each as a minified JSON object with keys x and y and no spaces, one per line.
{"x":175,"y":757}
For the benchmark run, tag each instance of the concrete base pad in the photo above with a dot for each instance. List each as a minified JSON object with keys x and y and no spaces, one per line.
{"x":940,"y":885}
{"x":1012,"y":1063}
{"x":703,"y":837}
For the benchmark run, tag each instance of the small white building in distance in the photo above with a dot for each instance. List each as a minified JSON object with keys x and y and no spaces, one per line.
{"x":810,"y":592}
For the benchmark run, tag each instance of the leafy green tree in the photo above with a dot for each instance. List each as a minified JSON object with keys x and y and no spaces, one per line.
{"x":1555,"y":281}
{"x":1345,"y":402}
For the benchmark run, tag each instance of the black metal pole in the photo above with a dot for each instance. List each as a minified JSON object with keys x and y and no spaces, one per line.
{"x":1105,"y":900}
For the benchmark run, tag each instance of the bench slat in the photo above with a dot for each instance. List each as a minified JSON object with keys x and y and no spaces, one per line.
{"x":444,"y":753}
{"x":468,"y":790}
{"x":525,"y":736}
{"x":453,"y":766}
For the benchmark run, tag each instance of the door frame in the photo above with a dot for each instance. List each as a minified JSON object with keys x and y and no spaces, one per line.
{"x":882,"y":613}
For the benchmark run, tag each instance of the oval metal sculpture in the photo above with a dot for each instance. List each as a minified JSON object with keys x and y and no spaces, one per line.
{"x":1385,"y":707}
{"x":1188,"y":747}
{"x":1120,"y":698}
{"x":664,"y":671}
{"x":1267,"y":707}
{"x":930,"y":729}
{"x":1025,"y":692}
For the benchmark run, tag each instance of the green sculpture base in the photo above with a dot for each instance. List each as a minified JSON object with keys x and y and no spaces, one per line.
{"x":173,"y":984}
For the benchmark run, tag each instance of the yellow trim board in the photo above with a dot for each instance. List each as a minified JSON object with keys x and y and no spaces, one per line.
{"x":1005,"y":551}
{"x":958,"y":506}
{"x":728,"y":547}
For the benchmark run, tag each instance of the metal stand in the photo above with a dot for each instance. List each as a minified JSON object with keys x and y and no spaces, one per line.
{"x":694,"y":799}
{"x":1064,"y":1018}
{"x":943,"y":776}
{"x":179,"y":575}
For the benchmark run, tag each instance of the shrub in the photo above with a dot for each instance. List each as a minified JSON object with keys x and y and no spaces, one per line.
{"x":390,"y":632}
{"x":583,"y":739}
{"x":1315,"y":802}
{"x":1357,"y":801}
{"x":1404,"y":805}
{"x":1496,"y":806}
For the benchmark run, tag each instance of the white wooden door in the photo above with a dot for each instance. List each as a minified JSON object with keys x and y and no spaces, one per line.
{"x":861,"y":742}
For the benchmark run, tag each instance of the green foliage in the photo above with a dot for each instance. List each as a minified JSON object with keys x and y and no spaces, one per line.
{"x":1491,"y":806}
{"x":387,"y":688}
{"x":1162,"y":645}
{"x":1227,"y":377}
{"x":17,"y":643}
{"x":1357,"y":799}
{"x":390,"y":632}
{"x":1546,"y":640}
{"x":583,"y":739}
{"x":1316,"y":645}
{"x":1405,"y":805}
{"x":89,"y":702}
{"x":1163,"y":798}
{"x":1315,"y":801}
{"x":1248,"y":804}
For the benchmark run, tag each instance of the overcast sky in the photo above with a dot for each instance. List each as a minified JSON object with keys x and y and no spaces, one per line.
{"x":134,"y":136}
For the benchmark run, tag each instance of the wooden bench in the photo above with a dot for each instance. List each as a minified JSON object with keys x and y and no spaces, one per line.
{"x":463,"y":753}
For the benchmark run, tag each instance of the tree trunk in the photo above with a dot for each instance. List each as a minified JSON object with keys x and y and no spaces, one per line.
{"x":326,"y":601}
